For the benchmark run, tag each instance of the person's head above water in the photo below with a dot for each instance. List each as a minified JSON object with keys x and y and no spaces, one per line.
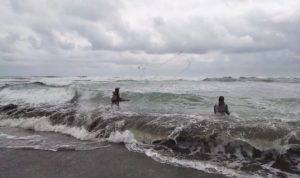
{"x":117,"y":90}
{"x":221,"y":99}
{"x":221,"y":107}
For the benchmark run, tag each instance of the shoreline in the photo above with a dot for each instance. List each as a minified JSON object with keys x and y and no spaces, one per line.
{"x":114,"y":161}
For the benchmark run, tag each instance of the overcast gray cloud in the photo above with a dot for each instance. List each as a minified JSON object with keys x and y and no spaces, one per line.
{"x":150,"y":37}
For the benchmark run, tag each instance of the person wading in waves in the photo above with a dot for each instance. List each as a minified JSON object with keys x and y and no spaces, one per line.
{"x":221,"y":107}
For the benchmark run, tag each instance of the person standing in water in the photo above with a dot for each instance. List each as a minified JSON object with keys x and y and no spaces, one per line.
{"x":221,"y":107}
{"x":115,"y":99}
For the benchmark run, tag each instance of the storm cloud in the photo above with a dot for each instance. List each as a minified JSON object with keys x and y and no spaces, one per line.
{"x":150,"y":37}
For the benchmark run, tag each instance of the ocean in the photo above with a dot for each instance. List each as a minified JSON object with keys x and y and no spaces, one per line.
{"x":170,"y":120}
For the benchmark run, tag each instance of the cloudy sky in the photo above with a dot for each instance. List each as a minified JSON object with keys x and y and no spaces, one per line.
{"x":143,"y":38}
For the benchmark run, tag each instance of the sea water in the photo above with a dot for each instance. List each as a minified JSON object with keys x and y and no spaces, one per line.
{"x":170,"y":120}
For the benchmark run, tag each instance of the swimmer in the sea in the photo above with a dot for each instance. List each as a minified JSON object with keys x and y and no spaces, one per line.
{"x":221,"y":107}
{"x":115,"y":99}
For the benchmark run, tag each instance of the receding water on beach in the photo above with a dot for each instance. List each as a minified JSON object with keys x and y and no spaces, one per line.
{"x":171,"y":121}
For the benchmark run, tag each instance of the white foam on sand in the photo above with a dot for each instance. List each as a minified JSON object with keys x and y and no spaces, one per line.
{"x":7,"y":136}
{"x":132,"y":144}
{"x":205,"y":166}
{"x":122,"y":137}
{"x":42,"y":124}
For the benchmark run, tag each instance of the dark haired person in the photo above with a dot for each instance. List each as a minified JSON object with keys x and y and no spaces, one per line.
{"x":221,"y":107}
{"x":116,"y":99}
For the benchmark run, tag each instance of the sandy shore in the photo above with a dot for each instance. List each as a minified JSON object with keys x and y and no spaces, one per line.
{"x":111,"y":162}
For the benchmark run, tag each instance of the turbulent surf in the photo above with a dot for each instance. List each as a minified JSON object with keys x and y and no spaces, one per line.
{"x":171,"y":121}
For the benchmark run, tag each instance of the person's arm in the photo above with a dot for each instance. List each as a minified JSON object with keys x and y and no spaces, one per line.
{"x":215,"y":109}
{"x":124,"y":99}
{"x":226,"y":110}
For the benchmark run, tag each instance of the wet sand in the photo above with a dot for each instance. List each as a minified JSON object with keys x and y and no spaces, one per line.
{"x":109,"y":162}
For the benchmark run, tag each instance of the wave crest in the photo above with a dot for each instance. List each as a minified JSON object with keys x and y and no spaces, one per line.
{"x":253,"y":79}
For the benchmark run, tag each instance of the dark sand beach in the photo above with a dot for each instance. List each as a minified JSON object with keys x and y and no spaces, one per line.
{"x":111,"y":162}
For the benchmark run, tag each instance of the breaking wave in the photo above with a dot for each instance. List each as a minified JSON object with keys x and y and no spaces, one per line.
{"x":253,"y":145}
{"x":173,"y":125}
{"x":253,"y":79}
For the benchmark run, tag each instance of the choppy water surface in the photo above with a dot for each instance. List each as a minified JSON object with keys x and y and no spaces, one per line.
{"x":171,"y":121}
